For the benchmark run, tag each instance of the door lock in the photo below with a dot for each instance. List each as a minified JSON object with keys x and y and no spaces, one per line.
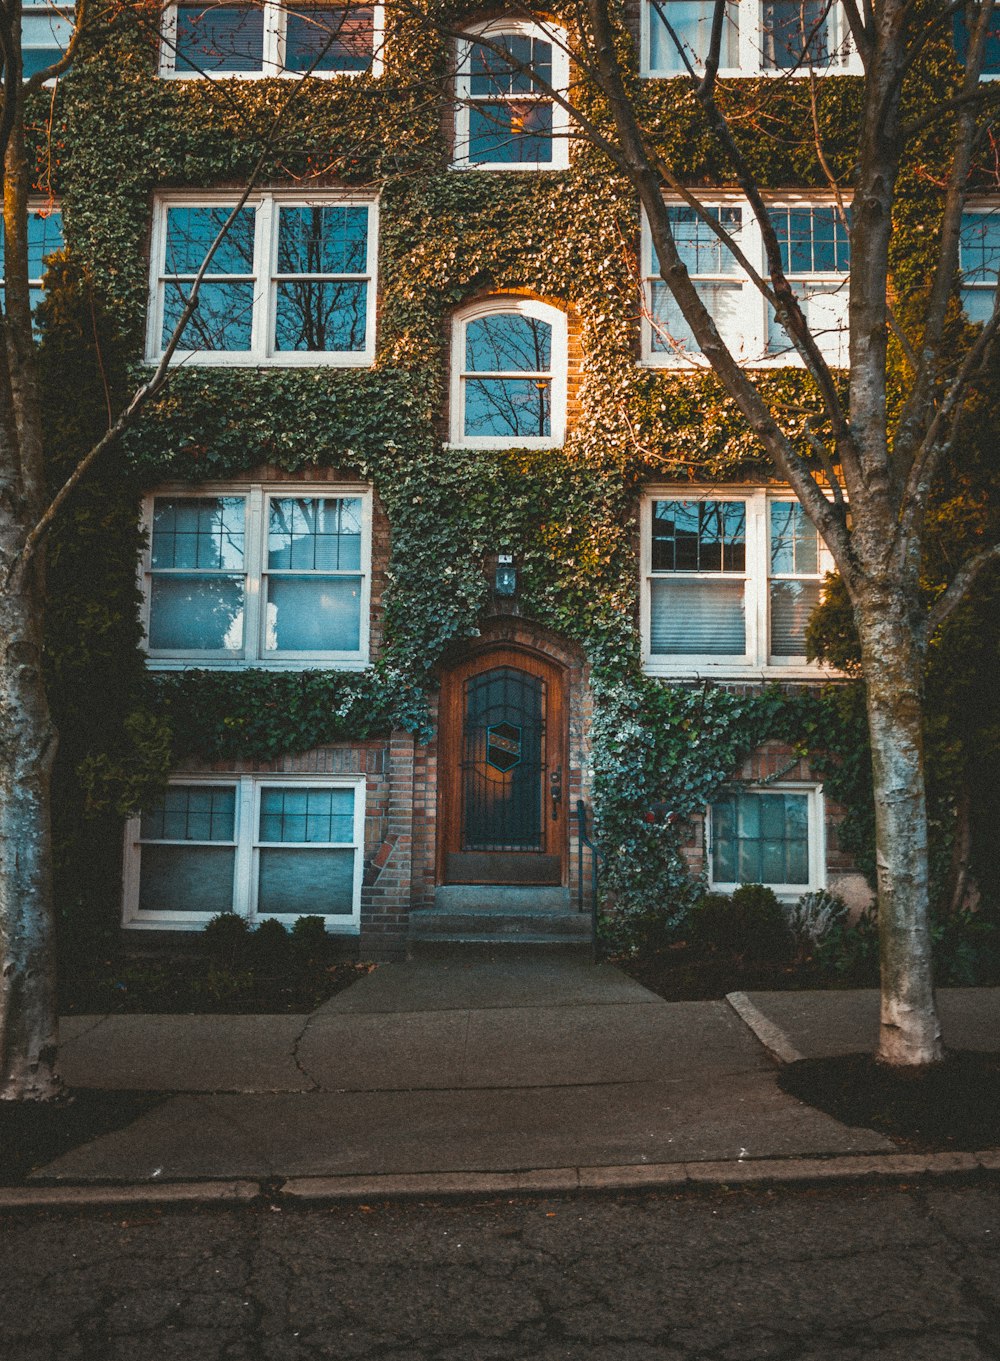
{"x":555,"y":791}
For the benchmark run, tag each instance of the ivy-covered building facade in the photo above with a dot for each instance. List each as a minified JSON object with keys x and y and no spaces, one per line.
{"x":441,"y":528}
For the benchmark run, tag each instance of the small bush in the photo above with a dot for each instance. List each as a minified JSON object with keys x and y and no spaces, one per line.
{"x":967,"y":949}
{"x":812,"y":918}
{"x":226,"y":938}
{"x":850,"y":953}
{"x":751,"y":925}
{"x":309,"y":938}
{"x":272,"y":947}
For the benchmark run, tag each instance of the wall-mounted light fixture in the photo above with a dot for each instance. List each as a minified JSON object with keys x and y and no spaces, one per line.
{"x":505,"y":581}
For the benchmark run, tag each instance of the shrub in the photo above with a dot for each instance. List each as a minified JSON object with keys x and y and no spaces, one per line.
{"x":226,"y":938}
{"x":309,"y":938}
{"x":967,"y":949}
{"x":272,"y":947}
{"x":751,"y":925}
{"x":851,"y":952}
{"x":812,"y":918}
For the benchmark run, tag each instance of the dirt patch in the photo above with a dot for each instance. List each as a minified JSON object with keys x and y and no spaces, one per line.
{"x":33,"y":1133}
{"x":683,"y":976}
{"x":954,"y":1105}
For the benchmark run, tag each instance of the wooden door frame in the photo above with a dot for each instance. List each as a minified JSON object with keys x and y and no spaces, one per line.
{"x":451,"y":735}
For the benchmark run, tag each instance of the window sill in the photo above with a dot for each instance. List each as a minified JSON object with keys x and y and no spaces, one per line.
{"x":733,"y":671}
{"x":197,"y":921}
{"x":239,"y":359}
{"x":242,"y":664}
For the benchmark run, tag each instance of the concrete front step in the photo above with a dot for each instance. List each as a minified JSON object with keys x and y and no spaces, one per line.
{"x":479,"y":945}
{"x":501,"y":897}
{"x":490,"y":922}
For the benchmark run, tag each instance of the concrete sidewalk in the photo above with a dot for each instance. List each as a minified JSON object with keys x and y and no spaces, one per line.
{"x":511,"y":1068}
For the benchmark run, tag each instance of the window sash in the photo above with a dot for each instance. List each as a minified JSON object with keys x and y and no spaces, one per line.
{"x":279,"y":20}
{"x":772,"y":836}
{"x":260,"y":299}
{"x":723,"y":617}
{"x":746,"y":49}
{"x":350,"y":585}
{"x":181,"y":883}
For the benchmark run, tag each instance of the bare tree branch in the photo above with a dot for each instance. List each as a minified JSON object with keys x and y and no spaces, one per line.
{"x":961,"y":585}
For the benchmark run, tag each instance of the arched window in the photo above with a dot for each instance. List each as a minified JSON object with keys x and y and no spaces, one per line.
{"x":505,"y":119}
{"x":509,"y":375}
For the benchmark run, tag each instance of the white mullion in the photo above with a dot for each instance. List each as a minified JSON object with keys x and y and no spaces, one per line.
{"x":757,"y":602}
{"x":168,"y":44}
{"x":273,"y":56}
{"x":751,"y":37}
{"x":260,"y":338}
{"x":245,"y":890}
{"x":254,"y":549}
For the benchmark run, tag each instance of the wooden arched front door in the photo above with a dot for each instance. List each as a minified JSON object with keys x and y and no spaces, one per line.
{"x":502,"y":771}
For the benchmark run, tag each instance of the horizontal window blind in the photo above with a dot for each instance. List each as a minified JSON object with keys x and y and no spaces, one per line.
{"x":697,"y":618}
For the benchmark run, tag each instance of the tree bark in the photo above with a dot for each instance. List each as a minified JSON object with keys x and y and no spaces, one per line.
{"x":910,"y":1032}
{"x":28,"y":1025}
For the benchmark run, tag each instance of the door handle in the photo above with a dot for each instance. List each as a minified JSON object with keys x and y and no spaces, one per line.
{"x":555,"y":791}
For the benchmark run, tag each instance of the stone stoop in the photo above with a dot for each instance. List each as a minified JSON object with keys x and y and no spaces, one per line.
{"x":490,"y":916}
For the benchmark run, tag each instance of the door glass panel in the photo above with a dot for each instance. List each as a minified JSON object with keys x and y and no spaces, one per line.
{"x":503,"y":761}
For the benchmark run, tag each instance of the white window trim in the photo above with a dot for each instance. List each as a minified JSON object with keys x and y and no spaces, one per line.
{"x":252,"y":655}
{"x":272,"y":64}
{"x":36,"y":10}
{"x":493,"y":30}
{"x":527,"y":307}
{"x":245,"y":877}
{"x":750,"y":48}
{"x":816,"y":834}
{"x":262,"y":353}
{"x":756,"y":663}
{"x":748,"y":344}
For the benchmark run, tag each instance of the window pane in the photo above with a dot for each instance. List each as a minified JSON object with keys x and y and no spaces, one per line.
{"x":196,"y":614}
{"x":760,"y":838}
{"x":316,"y":883}
{"x":323,"y":240}
{"x":699,"y":536}
{"x":697,"y":618}
{"x":504,"y":407}
{"x":191,"y":231}
{"x":202,"y":531}
{"x":516,"y":132}
{"x":45,"y":36}
{"x":322,"y":39}
{"x":186,"y":879}
{"x":991,"y":55}
{"x":794,"y":540}
{"x":223,"y":319}
{"x":813,"y":240}
{"x":316,"y":816}
{"x":314,"y":533}
{"x":794,"y":33}
{"x":508,"y":342}
{"x":701,"y":251}
{"x":44,"y":237}
{"x":691,"y":21}
{"x":192,"y":813}
{"x":490,"y":75}
{"x":313,"y":614}
{"x":322,"y":317}
{"x":723,"y":301}
{"x":219,"y":37}
{"x":979,"y":261}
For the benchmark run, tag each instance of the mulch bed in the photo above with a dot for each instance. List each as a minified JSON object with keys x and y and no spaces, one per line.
{"x":194,"y":987}
{"x":680,"y":976}
{"x":953,"y":1105}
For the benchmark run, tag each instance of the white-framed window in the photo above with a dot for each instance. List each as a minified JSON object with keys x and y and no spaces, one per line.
{"x":814,"y":240}
{"x":504,"y":119}
{"x":979,"y":260}
{"x":45,"y":33}
{"x":759,"y":37}
{"x":274,"y":575}
{"x":729,"y":581}
{"x":270,"y":38}
{"x":259,"y":846}
{"x":292,"y":282}
{"x":508,"y":366}
{"x":767,"y":834}
{"x":45,"y":236}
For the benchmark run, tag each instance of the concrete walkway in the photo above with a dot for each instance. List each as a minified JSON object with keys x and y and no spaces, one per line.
{"x":437,"y":1069}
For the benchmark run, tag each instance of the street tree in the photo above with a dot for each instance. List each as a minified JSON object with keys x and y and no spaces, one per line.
{"x":878,"y":436}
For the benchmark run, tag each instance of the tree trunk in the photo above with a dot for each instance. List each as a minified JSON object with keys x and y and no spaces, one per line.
{"x":28,"y":1025}
{"x":910,"y":1033}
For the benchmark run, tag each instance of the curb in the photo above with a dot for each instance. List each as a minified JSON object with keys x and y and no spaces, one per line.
{"x":354,"y":1189}
{"x":771,"y":1036}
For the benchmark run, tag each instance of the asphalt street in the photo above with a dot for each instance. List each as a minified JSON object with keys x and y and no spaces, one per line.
{"x":903,"y":1274}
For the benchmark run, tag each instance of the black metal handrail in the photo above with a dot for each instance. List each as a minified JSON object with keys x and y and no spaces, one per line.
{"x":584,"y":842}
